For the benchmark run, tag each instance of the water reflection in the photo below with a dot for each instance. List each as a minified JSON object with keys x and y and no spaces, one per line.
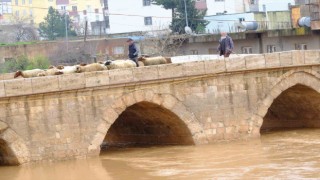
{"x":289,"y":155}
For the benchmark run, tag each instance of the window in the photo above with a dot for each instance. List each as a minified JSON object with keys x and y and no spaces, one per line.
{"x":271,"y":48}
{"x":30,"y":1}
{"x":31,"y":13}
{"x":96,"y":10}
{"x":17,"y":13}
{"x":24,"y":12}
{"x":246,"y":50}
{"x":301,"y":47}
{"x":146,"y":2}
{"x":253,"y":2}
{"x":17,"y":2}
{"x":23,"y":1}
{"x":63,"y":7}
{"x":119,"y":50}
{"x":148,"y":21}
{"x":97,"y":17}
{"x":194,"y":52}
{"x":74,"y":8}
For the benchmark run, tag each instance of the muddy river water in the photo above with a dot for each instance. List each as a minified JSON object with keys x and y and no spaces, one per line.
{"x":293,"y":154}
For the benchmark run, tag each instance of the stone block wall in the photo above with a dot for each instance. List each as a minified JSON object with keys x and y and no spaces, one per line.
{"x":68,"y":116}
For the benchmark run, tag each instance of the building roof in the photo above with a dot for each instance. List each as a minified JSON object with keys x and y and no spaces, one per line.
{"x":59,"y":2}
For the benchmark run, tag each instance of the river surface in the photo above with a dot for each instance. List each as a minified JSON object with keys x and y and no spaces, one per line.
{"x":293,"y":154}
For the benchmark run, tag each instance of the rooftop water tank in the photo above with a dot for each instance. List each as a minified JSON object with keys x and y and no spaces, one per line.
{"x":304,"y":22}
{"x":250,"y":26}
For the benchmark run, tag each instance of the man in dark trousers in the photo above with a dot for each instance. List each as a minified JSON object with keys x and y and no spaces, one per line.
{"x":225,"y":47}
{"x":133,"y":51}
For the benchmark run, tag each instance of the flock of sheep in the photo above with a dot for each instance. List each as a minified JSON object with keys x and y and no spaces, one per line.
{"x":101,"y":66}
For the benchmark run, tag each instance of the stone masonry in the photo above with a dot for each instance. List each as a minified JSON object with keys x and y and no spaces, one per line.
{"x":68,"y":116}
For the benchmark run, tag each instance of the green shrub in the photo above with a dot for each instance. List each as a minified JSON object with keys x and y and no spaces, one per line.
{"x":23,"y":63}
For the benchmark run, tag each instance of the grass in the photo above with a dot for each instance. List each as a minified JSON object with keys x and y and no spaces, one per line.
{"x":17,"y":43}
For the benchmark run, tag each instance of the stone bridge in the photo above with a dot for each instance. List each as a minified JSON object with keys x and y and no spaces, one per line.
{"x":70,"y":116}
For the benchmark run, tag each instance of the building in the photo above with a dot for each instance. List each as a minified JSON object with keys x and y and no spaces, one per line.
{"x":136,"y":15}
{"x":5,"y":11}
{"x":218,"y":7}
{"x":35,"y":11}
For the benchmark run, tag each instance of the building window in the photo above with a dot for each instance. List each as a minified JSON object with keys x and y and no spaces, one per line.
{"x":271,"y":48}
{"x":17,"y":2}
{"x":23,"y":2}
{"x":63,"y":7}
{"x":74,"y":8}
{"x":253,"y":2}
{"x":246,"y":50}
{"x":24,"y":12}
{"x":97,"y":17}
{"x":17,"y":13}
{"x":96,"y":10}
{"x":148,"y":21}
{"x":30,"y":1}
{"x":194,"y":52}
{"x":146,"y":2}
{"x":31,"y":13}
{"x":301,"y":47}
{"x":118,"y":50}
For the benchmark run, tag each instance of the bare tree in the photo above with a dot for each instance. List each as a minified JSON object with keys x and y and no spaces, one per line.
{"x":23,"y":29}
{"x":163,"y":43}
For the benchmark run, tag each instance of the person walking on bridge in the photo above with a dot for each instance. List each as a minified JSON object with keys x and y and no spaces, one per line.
{"x":133,"y":51}
{"x":226,"y":45}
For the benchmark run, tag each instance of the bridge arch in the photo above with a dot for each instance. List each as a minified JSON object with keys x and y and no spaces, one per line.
{"x":305,"y":83}
{"x":13,"y":150}
{"x":166,"y":102}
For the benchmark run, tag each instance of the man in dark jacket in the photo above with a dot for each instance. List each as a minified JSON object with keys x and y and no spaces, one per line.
{"x":133,"y":51}
{"x":226,"y":46}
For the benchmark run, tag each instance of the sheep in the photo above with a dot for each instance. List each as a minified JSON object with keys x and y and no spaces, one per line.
{"x":154,"y":60}
{"x":29,"y":73}
{"x":120,"y":64}
{"x":50,"y":72}
{"x":67,"y":69}
{"x":90,"y":68}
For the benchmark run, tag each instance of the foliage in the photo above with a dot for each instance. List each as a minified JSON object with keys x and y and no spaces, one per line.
{"x":167,"y":4}
{"x":195,"y":17}
{"x":17,"y":43}
{"x":23,"y":63}
{"x":54,"y":25}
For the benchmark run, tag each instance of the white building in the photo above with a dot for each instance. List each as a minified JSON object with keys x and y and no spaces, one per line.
{"x":216,"y":7}
{"x":136,"y":15}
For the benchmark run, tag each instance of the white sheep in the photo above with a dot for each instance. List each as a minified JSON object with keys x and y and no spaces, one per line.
{"x":29,"y":73}
{"x":67,"y":69}
{"x":91,"y":67}
{"x":148,"y":61}
{"x":51,"y":72}
{"x":120,"y":64}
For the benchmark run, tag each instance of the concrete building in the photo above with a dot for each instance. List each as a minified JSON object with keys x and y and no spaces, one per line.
{"x":5,"y":11}
{"x":136,"y":15}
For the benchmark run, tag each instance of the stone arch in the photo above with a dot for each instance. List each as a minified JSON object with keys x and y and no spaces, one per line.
{"x":110,"y":114}
{"x":309,"y":79}
{"x":13,"y":150}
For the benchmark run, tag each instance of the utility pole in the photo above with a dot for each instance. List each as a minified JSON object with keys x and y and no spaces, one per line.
{"x":66,"y":24}
{"x":85,"y":31}
{"x":187,"y":29}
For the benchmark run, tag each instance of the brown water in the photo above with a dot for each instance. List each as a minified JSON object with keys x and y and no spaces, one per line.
{"x":291,"y":154}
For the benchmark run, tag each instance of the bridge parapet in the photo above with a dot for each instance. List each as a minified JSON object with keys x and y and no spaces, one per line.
{"x":19,"y":87}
